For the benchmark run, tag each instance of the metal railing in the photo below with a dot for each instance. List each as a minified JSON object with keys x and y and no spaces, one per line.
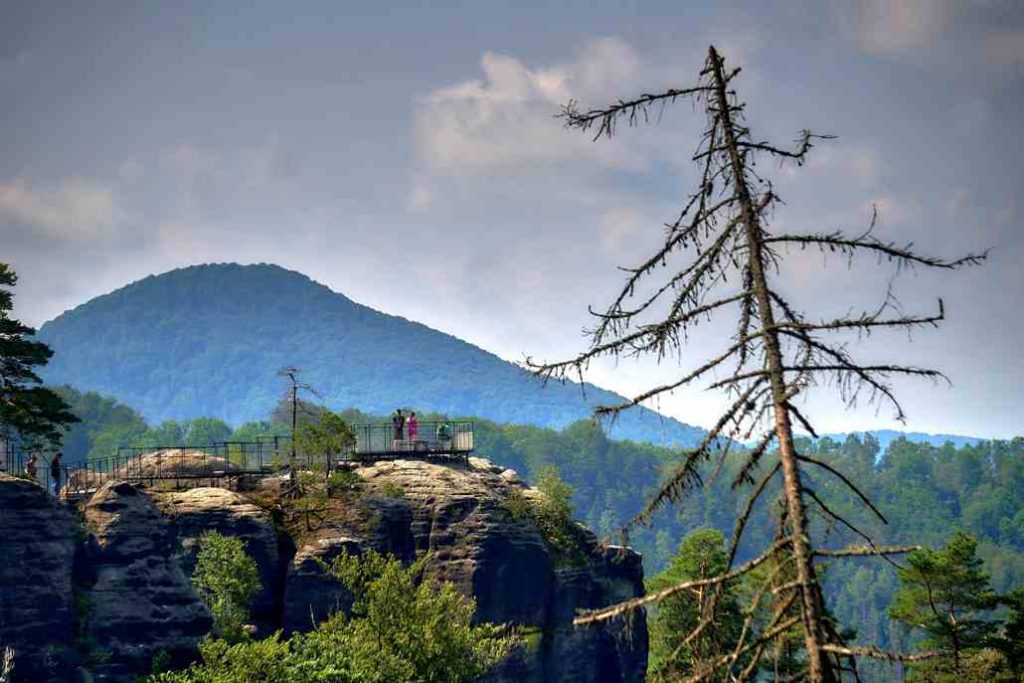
{"x":228,"y":460}
{"x":428,"y":438}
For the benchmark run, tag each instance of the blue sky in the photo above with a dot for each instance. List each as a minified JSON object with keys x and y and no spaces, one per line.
{"x":408,"y":157}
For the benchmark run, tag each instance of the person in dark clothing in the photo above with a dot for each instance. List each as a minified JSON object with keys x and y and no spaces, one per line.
{"x":398,"y":422}
{"x":55,"y":472}
{"x":31,"y":467}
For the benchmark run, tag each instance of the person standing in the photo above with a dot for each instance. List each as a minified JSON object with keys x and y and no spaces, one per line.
{"x":412,"y":426}
{"x":32,"y":467}
{"x":55,"y":472}
{"x":398,"y":423}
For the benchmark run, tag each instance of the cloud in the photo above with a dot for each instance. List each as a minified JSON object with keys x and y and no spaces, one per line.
{"x":72,"y":209}
{"x":943,"y":33}
{"x":508,"y":116}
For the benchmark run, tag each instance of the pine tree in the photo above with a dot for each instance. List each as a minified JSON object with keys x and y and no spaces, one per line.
{"x":29,"y":412}
{"x":946,"y":595}
{"x":777,"y":354}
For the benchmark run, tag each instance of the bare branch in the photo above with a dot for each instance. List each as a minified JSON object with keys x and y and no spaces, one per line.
{"x":595,"y":616}
{"x":838,"y":242}
{"x":875,"y":653}
{"x":630,"y":109}
{"x":860,"y":550}
{"x":849,"y":484}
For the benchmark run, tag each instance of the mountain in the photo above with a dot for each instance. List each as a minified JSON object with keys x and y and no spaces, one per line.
{"x":208,"y":340}
{"x":887,"y":436}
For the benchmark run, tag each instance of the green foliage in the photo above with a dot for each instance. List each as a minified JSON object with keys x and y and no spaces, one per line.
{"x":227,"y":579}
{"x":401,"y":629}
{"x":517,"y":504}
{"x":701,"y":555}
{"x":391,"y":489}
{"x":1011,"y":641}
{"x":328,"y":436}
{"x":260,"y":661}
{"x":204,"y":431}
{"x":946,"y":596}
{"x":29,"y":412}
{"x":343,"y":481}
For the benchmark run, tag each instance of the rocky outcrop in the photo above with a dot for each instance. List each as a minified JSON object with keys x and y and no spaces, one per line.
{"x":138,"y":599}
{"x":457,"y":517}
{"x":199,"y":511}
{"x":37,"y":606}
{"x":137,"y":547}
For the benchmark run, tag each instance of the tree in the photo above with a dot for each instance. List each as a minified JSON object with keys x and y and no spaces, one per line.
{"x":29,"y":412}
{"x":1011,"y":641}
{"x":700,"y":556}
{"x":402,"y":628}
{"x":946,"y":596}
{"x":228,"y":580}
{"x":206,"y":431}
{"x":327,"y":437}
{"x":721,"y":254}
{"x":291,"y":397}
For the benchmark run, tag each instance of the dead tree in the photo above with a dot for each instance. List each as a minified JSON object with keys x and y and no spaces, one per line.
{"x":720,"y":254}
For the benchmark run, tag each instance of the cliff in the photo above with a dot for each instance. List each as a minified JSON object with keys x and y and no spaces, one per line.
{"x":106,"y":590}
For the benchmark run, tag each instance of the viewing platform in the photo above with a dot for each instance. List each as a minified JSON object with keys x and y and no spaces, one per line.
{"x":224,"y":462}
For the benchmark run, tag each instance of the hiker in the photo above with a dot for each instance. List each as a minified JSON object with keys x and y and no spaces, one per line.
{"x":398,"y":422}
{"x":412,"y":427}
{"x":31,"y":467}
{"x":55,"y":472}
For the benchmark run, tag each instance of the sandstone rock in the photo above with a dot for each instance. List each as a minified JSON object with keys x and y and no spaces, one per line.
{"x":199,"y":511}
{"x":141,"y":601}
{"x":310,"y":595}
{"x":37,"y":616}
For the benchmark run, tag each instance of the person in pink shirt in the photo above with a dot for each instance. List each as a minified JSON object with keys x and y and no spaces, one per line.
{"x":412,"y":426}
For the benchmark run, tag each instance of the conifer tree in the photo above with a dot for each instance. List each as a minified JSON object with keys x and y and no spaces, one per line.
{"x":946,"y":595}
{"x":28,"y":411}
{"x":721,"y":254}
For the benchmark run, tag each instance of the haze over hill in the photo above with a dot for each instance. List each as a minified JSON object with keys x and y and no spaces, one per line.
{"x":208,"y":339}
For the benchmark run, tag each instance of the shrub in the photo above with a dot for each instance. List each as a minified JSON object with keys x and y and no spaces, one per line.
{"x":342,"y":481}
{"x":227,"y":579}
{"x":401,"y":630}
{"x":392,"y":490}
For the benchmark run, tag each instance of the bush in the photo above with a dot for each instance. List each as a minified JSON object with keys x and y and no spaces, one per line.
{"x":342,"y":481}
{"x":401,"y":630}
{"x":227,"y":579}
{"x":392,"y":490}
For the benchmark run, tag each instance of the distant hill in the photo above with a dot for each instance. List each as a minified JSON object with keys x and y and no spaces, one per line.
{"x":208,"y":339}
{"x":887,"y":436}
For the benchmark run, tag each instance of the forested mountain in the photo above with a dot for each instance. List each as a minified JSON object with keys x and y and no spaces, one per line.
{"x":207,"y":340}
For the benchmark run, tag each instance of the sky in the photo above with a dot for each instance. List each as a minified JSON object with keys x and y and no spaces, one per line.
{"x":409,"y":157}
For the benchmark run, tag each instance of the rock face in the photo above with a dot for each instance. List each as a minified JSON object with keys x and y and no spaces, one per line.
{"x":196,"y":512}
{"x":37,"y":615}
{"x":120,"y":580}
{"x":139,"y":601}
{"x":456,"y":516}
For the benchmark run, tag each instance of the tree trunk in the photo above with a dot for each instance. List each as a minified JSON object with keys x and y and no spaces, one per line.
{"x":818,"y":665}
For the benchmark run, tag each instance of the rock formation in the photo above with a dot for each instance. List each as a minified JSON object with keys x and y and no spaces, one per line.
{"x":136,"y":548}
{"x":37,"y":547}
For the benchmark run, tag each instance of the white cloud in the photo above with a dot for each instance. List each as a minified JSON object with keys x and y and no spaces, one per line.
{"x":950,"y":34}
{"x":74,"y":208}
{"x":508,"y":117}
